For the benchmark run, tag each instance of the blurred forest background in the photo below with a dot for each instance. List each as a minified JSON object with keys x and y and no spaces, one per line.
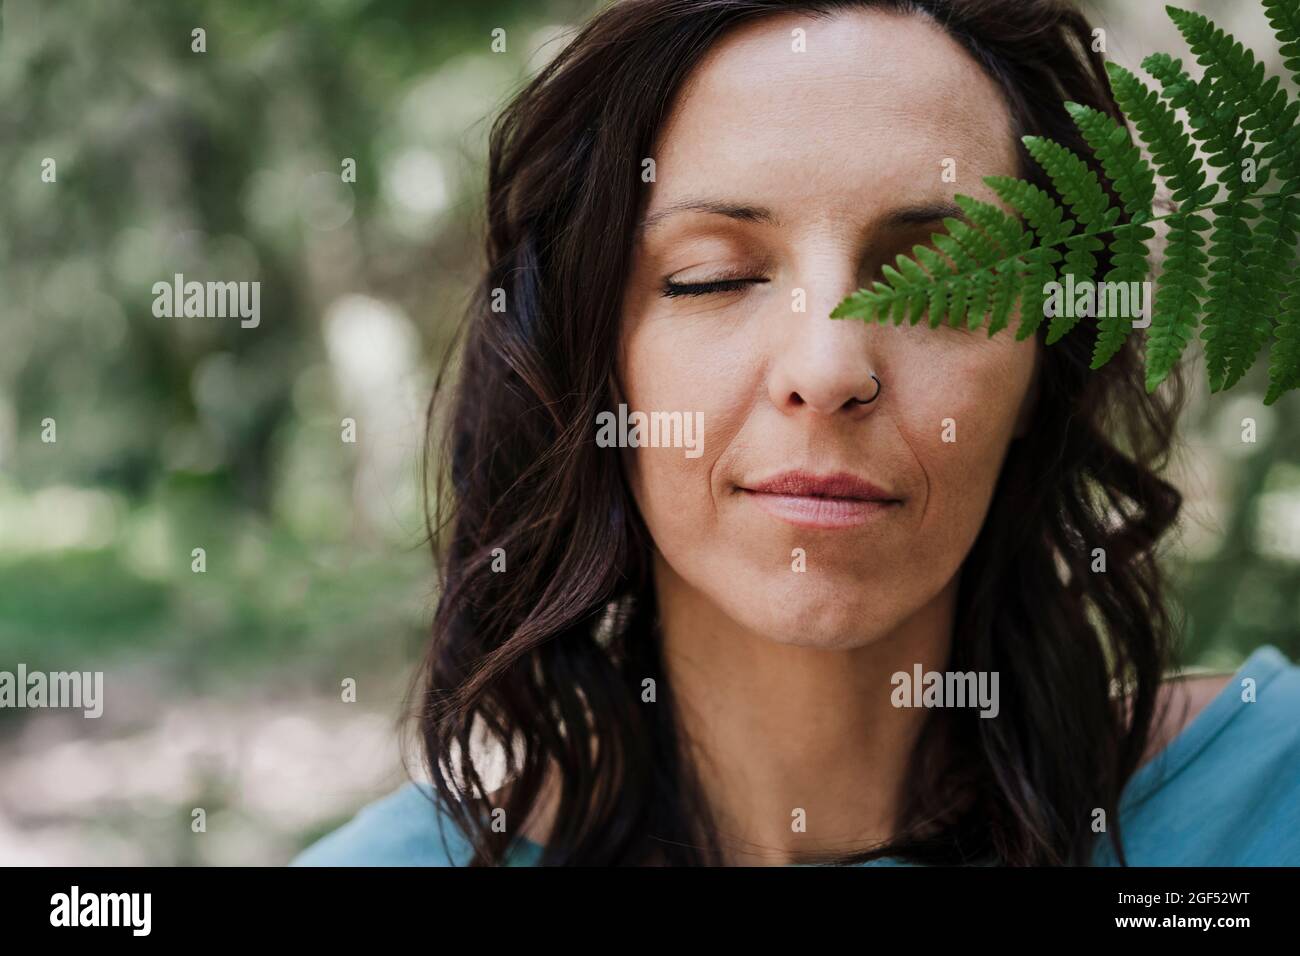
{"x":224,"y":687}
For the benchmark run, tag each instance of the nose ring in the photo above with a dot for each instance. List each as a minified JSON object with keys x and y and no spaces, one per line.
{"x":868,"y":401}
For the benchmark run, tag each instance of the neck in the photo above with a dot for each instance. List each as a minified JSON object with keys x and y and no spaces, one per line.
{"x":773,"y":729}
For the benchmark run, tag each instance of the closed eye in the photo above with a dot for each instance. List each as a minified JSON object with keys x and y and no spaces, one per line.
{"x":712,"y":287}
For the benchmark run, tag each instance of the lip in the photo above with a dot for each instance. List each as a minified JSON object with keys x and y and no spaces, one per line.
{"x":838,"y":500}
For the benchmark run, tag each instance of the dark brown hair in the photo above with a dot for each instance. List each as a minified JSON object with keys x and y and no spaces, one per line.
{"x":517,"y":659}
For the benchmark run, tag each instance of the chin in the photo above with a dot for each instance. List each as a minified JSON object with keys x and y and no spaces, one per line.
{"x":801,"y":614}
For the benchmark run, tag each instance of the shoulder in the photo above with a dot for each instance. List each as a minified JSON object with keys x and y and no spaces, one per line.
{"x":1179,"y":701}
{"x":405,"y":828}
{"x":1225,"y":791}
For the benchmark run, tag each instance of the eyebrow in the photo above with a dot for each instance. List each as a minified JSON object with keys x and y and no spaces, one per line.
{"x":921,"y":214}
{"x":916,"y":214}
{"x":738,"y":211}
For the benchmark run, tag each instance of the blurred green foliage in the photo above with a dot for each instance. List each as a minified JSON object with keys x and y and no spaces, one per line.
{"x":224,"y":164}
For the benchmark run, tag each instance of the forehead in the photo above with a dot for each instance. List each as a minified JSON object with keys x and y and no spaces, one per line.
{"x":873,"y":104}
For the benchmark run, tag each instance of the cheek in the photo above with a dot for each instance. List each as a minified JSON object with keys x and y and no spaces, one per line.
{"x":959,"y":417}
{"x":687,"y":370}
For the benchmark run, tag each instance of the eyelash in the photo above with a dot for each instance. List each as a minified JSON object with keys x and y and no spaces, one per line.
{"x":720,"y":285}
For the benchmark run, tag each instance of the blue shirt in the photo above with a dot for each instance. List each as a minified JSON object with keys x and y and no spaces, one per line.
{"x":1224,"y":792}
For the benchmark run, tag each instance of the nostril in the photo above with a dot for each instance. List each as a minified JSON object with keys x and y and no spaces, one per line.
{"x":867,"y":401}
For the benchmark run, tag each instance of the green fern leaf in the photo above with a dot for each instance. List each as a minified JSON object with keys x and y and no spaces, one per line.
{"x":1135,"y":182}
{"x":1276,"y":243}
{"x":1177,"y":306}
{"x":1284,"y":17}
{"x":1239,"y":79}
{"x":1003,"y":243}
{"x":990,"y":262}
{"x":1132,"y":176}
{"x":1284,"y":356}
{"x":1240,"y":86}
{"x":1050,"y":227}
{"x":1236,"y":308}
{"x":1082,"y":191}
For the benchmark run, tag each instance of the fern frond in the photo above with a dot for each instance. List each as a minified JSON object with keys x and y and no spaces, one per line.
{"x":1233,"y":331}
{"x":1284,"y":356}
{"x":1007,"y":241}
{"x":1135,"y":182}
{"x":911,"y":287}
{"x":1239,"y":79}
{"x":1237,"y":306}
{"x":1177,"y":306}
{"x":1050,"y":227}
{"x":983,"y":260}
{"x":1131,"y":175}
{"x":1213,"y":120}
{"x":973,"y":251}
{"x":989,"y":261}
{"x":1284,"y":17}
{"x":1039,"y":209}
{"x":1082,"y":191}
{"x":1273,"y":248}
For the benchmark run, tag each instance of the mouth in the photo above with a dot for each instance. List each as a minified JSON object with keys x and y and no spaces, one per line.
{"x":839,"y":500}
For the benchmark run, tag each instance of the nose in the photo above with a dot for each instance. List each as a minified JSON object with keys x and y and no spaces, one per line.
{"x":825,"y":365}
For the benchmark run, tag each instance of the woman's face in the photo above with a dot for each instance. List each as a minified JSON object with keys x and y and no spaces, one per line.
{"x":791,"y":176}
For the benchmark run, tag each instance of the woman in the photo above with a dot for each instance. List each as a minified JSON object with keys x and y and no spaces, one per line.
{"x":845,"y":592}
